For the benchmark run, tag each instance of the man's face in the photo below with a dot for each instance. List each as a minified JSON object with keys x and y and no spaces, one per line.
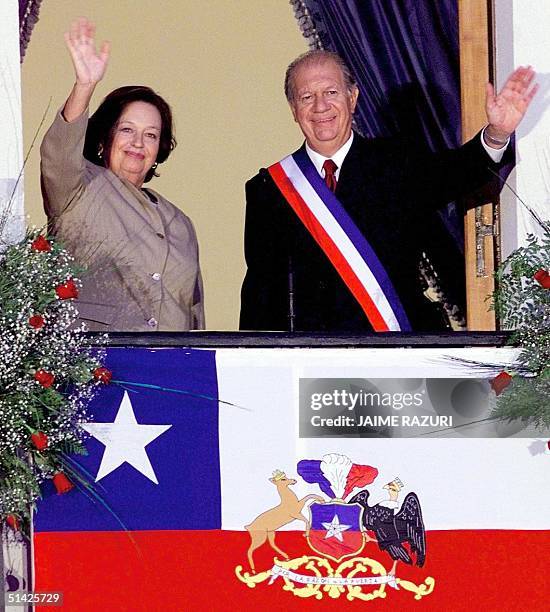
{"x":323,"y":106}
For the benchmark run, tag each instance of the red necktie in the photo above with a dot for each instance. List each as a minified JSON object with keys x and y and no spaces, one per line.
{"x":330,"y":177}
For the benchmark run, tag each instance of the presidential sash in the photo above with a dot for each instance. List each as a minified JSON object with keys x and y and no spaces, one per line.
{"x":341,"y":240}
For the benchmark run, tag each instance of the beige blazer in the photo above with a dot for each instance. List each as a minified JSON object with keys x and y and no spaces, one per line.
{"x":141,"y":257}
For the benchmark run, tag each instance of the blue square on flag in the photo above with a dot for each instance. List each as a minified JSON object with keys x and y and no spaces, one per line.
{"x":153,"y":461}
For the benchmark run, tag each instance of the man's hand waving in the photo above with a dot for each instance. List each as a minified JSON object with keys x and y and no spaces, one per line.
{"x":506,"y":109}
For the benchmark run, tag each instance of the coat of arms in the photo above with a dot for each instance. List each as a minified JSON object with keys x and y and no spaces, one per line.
{"x":338,"y":527}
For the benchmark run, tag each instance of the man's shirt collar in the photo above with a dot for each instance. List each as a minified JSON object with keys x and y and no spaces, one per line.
{"x":338,"y":158}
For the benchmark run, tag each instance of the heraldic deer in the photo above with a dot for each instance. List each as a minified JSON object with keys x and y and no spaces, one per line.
{"x":263,"y":527}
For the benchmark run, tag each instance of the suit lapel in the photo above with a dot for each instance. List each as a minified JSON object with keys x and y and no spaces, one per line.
{"x":350,"y":179}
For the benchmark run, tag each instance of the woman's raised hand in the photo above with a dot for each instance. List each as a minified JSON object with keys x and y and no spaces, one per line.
{"x":89,"y":64}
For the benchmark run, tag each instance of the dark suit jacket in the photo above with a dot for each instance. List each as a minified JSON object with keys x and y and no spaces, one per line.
{"x":388,"y":190}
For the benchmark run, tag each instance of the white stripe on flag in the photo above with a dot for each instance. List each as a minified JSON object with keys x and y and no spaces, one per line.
{"x":475,"y":483}
{"x":341,"y":240}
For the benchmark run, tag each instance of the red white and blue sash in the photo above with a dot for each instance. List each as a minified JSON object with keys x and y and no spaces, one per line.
{"x":341,"y":241}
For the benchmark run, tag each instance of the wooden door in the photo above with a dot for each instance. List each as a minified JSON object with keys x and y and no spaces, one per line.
{"x":475,"y":37}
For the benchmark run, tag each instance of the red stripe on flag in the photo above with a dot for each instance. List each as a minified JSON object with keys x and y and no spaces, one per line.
{"x":195,"y":571}
{"x":329,"y":247}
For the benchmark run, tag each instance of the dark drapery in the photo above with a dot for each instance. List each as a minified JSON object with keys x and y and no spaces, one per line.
{"x":28,"y":16}
{"x":405,"y":56}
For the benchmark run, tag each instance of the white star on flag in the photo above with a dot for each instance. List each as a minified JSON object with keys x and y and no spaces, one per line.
{"x":125,"y":441}
{"x":334,"y":529}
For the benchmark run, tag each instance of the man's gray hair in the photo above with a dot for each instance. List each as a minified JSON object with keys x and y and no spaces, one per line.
{"x":316,"y":56}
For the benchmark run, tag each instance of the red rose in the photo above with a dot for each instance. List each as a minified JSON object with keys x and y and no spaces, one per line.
{"x":62,"y":483}
{"x":13,"y":522}
{"x":500,"y":382}
{"x":41,"y":244}
{"x":67,"y":290}
{"x":36,"y":321}
{"x":46,"y":379}
{"x":104,"y":375}
{"x":543,"y":278}
{"x":40,"y":440}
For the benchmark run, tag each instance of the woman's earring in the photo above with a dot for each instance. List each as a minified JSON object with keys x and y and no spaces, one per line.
{"x":100,"y":152}
{"x":154,"y":166}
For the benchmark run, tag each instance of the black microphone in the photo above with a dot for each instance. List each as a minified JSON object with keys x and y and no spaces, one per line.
{"x":291,"y":315}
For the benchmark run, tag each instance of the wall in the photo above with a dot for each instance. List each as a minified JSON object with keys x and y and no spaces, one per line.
{"x":521,"y":35}
{"x":11,"y":194}
{"x":221,"y":65}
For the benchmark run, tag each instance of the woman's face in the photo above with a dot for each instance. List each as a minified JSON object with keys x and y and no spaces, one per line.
{"x":135,"y":142}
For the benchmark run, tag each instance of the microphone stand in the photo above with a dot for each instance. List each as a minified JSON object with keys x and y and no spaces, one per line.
{"x":291,"y":314}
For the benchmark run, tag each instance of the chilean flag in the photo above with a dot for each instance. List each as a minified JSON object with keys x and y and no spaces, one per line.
{"x":181,"y":456}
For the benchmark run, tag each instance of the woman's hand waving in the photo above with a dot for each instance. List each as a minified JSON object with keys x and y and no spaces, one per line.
{"x":89,"y":64}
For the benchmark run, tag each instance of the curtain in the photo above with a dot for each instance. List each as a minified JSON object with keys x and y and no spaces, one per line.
{"x":28,"y":16}
{"x":405,"y":57}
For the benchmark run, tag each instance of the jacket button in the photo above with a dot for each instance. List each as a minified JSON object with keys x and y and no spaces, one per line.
{"x":155,"y":276}
{"x":152,"y":322}
{"x":161,"y":236}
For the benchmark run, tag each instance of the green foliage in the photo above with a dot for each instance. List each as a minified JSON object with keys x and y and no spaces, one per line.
{"x":50,"y":344}
{"x":523,"y":306}
{"x":520,"y":300}
{"x":526,"y":399}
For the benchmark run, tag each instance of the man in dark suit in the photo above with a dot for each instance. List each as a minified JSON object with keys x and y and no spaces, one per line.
{"x":308,"y":272}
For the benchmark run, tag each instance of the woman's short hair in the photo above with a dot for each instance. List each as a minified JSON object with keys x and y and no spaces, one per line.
{"x":101,"y":125}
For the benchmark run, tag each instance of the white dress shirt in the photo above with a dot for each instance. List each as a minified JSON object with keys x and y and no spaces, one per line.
{"x":338,"y":158}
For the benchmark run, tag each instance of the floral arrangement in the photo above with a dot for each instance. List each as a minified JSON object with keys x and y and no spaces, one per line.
{"x":522,"y":301}
{"x":48,"y":373}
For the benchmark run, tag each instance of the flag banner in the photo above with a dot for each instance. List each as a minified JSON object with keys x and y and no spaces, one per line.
{"x":198,"y":493}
